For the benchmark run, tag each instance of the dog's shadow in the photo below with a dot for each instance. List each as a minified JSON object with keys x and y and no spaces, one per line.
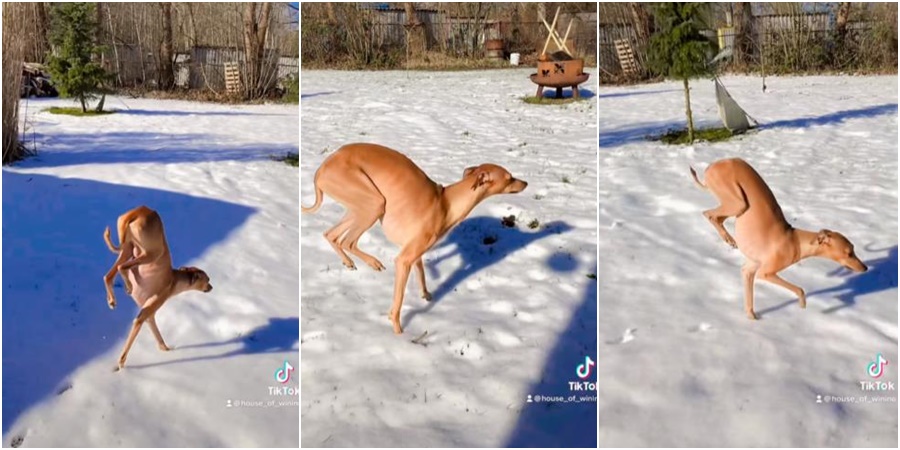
{"x":482,"y":242}
{"x":280,"y":334}
{"x":881,"y":276}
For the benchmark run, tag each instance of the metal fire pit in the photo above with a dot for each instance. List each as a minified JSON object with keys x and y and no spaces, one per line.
{"x":559,"y":75}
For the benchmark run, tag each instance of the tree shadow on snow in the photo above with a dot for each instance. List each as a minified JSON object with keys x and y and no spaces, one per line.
{"x":564,"y":424}
{"x":834,"y":117}
{"x":279,"y":335}
{"x":881,"y":276}
{"x":55,"y":317}
{"x":633,"y":93}
{"x":189,"y":113}
{"x":65,"y":149}
{"x":481,"y":242}
{"x":316,"y":94}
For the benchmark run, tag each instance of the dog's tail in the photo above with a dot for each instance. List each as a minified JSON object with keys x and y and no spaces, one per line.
{"x":109,"y":243}
{"x":697,"y":180}
{"x":318,"y":203}
{"x":122,"y":227}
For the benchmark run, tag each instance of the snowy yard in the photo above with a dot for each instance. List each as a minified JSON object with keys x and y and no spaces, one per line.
{"x":510,"y":318}
{"x":227,"y":208}
{"x":680,"y":364}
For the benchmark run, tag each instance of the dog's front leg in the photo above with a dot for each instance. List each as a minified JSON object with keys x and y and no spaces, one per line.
{"x":408,"y":256}
{"x":420,"y":272}
{"x":147,"y":310}
{"x":748,"y":273}
{"x":159,"y":339}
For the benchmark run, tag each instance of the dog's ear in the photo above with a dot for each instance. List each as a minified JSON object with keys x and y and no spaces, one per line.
{"x":469,"y":171}
{"x":482,"y":177}
{"x":823,"y":237}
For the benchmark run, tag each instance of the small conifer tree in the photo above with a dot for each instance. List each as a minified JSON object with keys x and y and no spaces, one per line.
{"x":678,"y":49}
{"x":73,"y":62}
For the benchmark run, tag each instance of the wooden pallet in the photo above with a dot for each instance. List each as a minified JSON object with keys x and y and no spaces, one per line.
{"x":626,"y":57}
{"x":232,"y":78}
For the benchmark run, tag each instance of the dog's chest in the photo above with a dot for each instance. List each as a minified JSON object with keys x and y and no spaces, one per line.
{"x":147,"y":280}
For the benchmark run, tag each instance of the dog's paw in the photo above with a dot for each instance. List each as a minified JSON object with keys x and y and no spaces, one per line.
{"x":376,"y":264}
{"x":427,"y":296}
{"x":349,"y":265}
{"x":164,"y":348}
{"x":111,"y":301}
{"x":752,"y":315}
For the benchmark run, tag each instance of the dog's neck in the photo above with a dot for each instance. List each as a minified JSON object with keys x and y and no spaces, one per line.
{"x":457,"y":201}
{"x":806,"y":244}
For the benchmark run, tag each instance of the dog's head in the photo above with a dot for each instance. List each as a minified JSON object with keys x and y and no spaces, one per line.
{"x":493,"y":179}
{"x":836,"y":247}
{"x":198,"y":280}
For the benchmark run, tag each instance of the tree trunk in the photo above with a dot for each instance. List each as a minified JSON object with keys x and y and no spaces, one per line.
{"x":43,"y":29}
{"x":742,"y":33}
{"x":687,"y":110}
{"x":166,"y":63}
{"x":840,"y":22}
{"x":83,"y":105}
{"x":329,"y":10}
{"x":415,"y":31}
{"x":254,"y":45}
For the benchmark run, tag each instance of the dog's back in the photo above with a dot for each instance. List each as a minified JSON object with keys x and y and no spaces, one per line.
{"x":143,"y":229}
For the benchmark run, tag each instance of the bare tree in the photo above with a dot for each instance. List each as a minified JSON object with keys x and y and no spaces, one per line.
{"x":255,"y":29}
{"x":166,"y":75}
{"x":743,"y":39}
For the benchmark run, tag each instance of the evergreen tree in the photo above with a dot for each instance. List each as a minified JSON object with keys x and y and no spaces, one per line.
{"x":678,"y":49}
{"x":72,"y":62}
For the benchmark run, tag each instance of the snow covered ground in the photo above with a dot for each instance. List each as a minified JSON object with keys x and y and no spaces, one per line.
{"x":509,"y":319}
{"x":679,"y":362}
{"x":227,"y":208}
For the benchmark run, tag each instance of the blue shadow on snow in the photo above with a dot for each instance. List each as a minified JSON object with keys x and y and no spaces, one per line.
{"x":564,"y":424}
{"x":55,"y":317}
{"x":834,"y":117}
{"x":279,"y":335}
{"x":65,"y":149}
{"x":468,"y":237}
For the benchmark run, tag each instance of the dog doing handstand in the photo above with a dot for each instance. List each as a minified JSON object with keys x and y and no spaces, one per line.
{"x":376,"y":183}
{"x":761,"y":232}
{"x":145,"y":265}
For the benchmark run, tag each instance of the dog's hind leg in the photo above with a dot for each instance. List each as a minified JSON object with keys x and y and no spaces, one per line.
{"x":363,"y":220}
{"x":124,"y":253}
{"x":365,"y":205}
{"x":732,"y":204}
{"x":333,"y":236}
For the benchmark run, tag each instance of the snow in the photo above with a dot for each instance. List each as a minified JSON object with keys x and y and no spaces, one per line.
{"x":509,"y":319}
{"x":227,"y":208}
{"x":680,"y":363}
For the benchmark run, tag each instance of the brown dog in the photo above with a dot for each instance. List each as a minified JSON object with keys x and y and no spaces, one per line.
{"x":376,"y":183}
{"x":761,"y":232}
{"x":145,"y":265}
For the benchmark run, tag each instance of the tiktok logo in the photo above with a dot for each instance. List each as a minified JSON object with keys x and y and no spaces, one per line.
{"x":584,"y":370}
{"x":283,"y":374}
{"x":876,"y":368}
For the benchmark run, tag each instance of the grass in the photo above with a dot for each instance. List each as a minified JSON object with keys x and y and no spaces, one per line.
{"x":677,"y":137}
{"x":550,"y":100}
{"x":291,"y":159}
{"x":76,"y":111}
